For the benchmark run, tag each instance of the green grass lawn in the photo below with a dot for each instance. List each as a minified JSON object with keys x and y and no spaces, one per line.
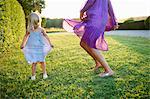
{"x":71,"y":76}
{"x":54,"y":30}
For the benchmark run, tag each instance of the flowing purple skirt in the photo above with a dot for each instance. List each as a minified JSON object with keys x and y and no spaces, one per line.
{"x":100,"y":18}
{"x":92,"y":35}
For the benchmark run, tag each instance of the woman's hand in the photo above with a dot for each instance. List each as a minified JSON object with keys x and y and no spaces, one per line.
{"x":82,"y":16}
{"x":116,"y":26}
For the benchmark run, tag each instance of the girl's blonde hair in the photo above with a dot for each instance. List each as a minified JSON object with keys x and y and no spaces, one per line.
{"x":34,"y":21}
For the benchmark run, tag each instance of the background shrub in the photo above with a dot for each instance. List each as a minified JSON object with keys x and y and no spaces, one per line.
{"x":12,"y":26}
{"x":56,"y":23}
{"x":129,"y":20}
{"x":43,"y":22}
{"x":147,"y":23}
{"x":136,"y":23}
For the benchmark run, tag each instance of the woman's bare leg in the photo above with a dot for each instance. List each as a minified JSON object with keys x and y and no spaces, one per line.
{"x":98,"y":64}
{"x":98,"y":56}
{"x":88,"y":50}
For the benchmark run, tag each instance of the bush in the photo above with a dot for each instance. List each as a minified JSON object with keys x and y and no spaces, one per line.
{"x":147,"y":23}
{"x":136,"y":25}
{"x":43,"y":22}
{"x":129,"y":20}
{"x":56,"y":23}
{"x":139,"y":23}
{"x":12,"y":25}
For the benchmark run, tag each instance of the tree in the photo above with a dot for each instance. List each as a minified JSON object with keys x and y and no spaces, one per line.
{"x":130,"y":20}
{"x":44,"y":20}
{"x":31,"y":5}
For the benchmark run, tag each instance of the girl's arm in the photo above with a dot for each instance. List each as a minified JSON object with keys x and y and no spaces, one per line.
{"x":25,"y":40}
{"x":46,"y":36}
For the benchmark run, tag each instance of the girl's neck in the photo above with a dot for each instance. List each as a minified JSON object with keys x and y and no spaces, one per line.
{"x":35,"y":27}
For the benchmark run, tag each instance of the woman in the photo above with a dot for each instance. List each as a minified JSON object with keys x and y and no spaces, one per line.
{"x":96,"y":17}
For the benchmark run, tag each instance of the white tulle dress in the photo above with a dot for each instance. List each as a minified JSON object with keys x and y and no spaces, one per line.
{"x":36,"y":48}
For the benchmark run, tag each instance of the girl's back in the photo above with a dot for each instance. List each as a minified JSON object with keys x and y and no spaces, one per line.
{"x":36,"y":39}
{"x":37,"y":46}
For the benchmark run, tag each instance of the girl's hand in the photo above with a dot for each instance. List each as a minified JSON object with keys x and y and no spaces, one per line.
{"x":52,"y":46}
{"x":21,"y":47}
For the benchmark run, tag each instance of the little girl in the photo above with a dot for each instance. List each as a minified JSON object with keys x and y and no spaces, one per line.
{"x":36,"y":44}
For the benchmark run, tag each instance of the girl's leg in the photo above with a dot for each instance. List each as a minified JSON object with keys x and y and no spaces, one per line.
{"x":43,"y":67}
{"x":33,"y":69}
{"x":95,"y":53}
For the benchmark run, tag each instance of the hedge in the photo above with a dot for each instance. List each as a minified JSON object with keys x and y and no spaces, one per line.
{"x":12,"y":25}
{"x":133,"y":24}
{"x":56,"y":23}
{"x":147,"y":23}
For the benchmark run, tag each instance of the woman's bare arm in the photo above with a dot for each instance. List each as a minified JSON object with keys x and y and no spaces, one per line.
{"x":88,"y":4}
{"x":111,"y":13}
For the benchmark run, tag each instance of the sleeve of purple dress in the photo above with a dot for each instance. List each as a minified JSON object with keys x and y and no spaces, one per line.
{"x":111,"y":13}
{"x":88,"y":4}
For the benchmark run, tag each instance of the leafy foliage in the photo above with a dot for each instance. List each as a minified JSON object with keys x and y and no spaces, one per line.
{"x":71,"y":76}
{"x":139,"y":23}
{"x":12,"y":26}
{"x":147,"y":23}
{"x":43,"y":22}
{"x":32,"y":5}
{"x":57,"y":23}
{"x":129,"y":20}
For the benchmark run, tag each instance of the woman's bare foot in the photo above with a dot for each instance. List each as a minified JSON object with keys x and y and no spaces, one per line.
{"x":97,"y":66}
{"x":106,"y":74}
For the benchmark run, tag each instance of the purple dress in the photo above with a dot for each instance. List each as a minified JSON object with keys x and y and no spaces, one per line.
{"x":100,"y":18}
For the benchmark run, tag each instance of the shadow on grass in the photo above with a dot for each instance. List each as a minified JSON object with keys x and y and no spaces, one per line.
{"x":134,"y":72}
{"x":15,"y":79}
{"x":137,"y":44}
{"x":74,"y":79}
